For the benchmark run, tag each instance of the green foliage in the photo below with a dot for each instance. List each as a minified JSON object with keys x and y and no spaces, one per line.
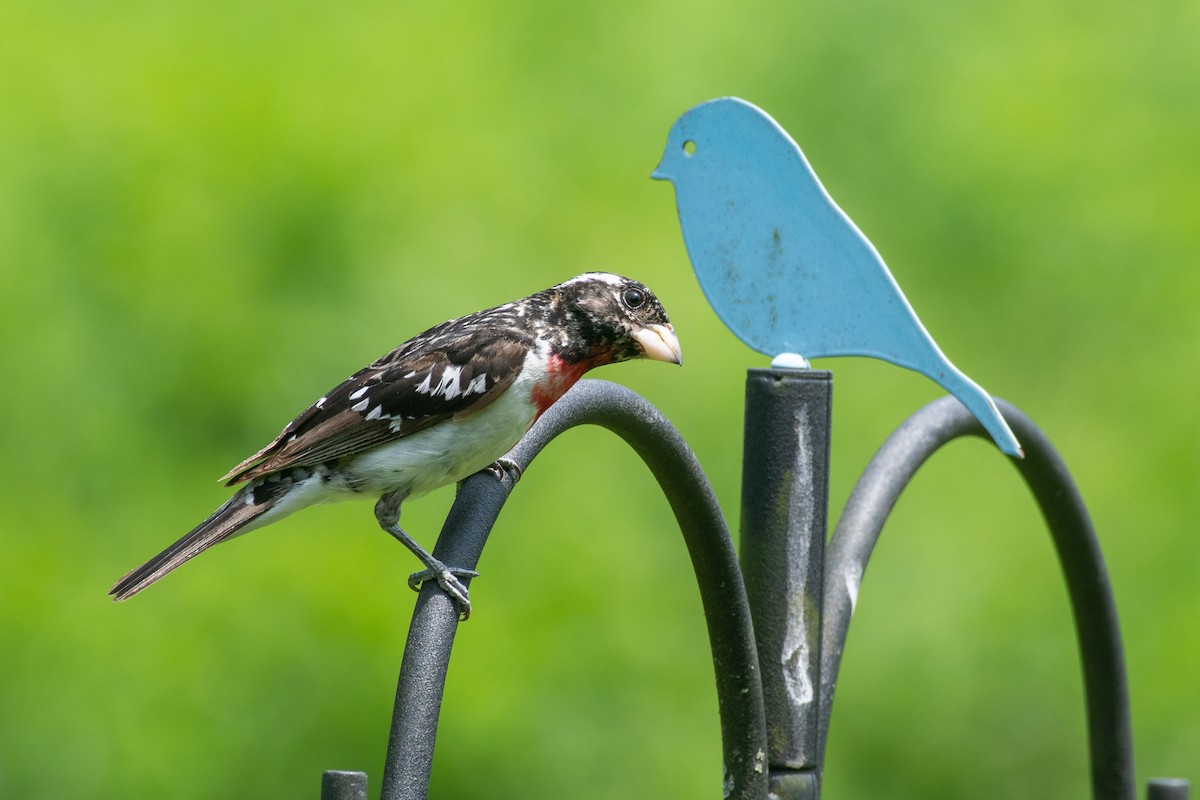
{"x":212,"y":212}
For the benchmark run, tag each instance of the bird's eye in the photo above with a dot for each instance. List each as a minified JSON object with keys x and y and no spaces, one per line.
{"x":634,"y":298}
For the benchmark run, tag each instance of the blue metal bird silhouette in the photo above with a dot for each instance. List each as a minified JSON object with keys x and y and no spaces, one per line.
{"x":782,"y":265}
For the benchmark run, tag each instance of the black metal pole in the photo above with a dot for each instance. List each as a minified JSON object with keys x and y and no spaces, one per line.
{"x":1094,"y":610}
{"x":785,"y":490}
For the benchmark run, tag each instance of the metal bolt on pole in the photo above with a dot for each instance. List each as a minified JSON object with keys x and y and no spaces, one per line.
{"x":339,"y":785}
{"x":1167,"y":789}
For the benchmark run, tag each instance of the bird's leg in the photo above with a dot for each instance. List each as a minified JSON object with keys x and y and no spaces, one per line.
{"x":387,"y":511}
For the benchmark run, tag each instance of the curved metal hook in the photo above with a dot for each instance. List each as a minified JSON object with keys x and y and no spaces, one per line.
{"x":478,"y":503}
{"x":1093,"y":607}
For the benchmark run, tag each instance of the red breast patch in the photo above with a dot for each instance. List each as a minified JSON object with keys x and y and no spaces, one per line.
{"x":560,"y":376}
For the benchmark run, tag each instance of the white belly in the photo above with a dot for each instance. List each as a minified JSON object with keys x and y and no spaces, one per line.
{"x":446,"y":452}
{"x":414,"y":465}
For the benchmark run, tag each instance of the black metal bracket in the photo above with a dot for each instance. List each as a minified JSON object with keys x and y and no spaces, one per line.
{"x":797,"y":597}
{"x":802,"y":597}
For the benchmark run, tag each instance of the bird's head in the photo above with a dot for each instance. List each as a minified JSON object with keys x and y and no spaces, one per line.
{"x":616,"y":319}
{"x":715,"y":139}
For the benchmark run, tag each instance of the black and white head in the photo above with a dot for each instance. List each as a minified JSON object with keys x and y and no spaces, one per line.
{"x":612,"y":318}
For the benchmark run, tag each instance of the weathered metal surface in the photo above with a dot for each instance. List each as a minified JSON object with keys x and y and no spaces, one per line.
{"x":785,"y":488}
{"x":340,"y":785}
{"x":1168,"y":789}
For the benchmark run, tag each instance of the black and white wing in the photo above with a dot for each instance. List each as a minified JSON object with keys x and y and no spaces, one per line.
{"x":452,"y":370}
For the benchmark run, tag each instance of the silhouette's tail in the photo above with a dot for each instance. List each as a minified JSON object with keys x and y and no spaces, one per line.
{"x":238,"y":512}
{"x":981,"y":404}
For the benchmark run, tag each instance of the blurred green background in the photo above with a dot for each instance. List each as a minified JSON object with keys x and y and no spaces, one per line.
{"x":212,"y":212}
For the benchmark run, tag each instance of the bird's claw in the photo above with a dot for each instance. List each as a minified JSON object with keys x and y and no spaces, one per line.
{"x":449,"y":579}
{"x":505,"y":467}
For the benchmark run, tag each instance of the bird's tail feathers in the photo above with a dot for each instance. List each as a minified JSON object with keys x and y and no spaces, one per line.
{"x":228,"y":520}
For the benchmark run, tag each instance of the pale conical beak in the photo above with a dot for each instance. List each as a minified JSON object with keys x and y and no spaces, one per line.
{"x":660,"y":343}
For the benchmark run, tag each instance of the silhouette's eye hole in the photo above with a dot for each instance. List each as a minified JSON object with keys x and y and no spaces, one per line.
{"x":689,"y":148}
{"x":635,"y":298}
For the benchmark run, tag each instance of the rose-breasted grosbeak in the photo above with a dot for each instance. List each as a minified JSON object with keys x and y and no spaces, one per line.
{"x":441,"y":406}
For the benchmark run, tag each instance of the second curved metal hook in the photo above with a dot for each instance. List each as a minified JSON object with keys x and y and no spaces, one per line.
{"x":1092,"y":603}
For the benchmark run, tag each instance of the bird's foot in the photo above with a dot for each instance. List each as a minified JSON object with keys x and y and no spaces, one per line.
{"x":505,"y":466}
{"x":449,"y":579}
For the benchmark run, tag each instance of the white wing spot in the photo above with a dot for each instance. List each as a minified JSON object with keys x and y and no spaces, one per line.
{"x":321,"y":403}
{"x":449,"y":386}
{"x":360,"y":406}
{"x":477,"y":384}
{"x":359,"y":393}
{"x":426,"y":384}
{"x":376,"y":412}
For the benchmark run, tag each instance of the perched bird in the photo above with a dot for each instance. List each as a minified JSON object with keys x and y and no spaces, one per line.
{"x":441,"y":406}
{"x":782,"y":265}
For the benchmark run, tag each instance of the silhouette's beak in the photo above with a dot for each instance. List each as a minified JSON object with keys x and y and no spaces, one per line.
{"x":659,"y":342}
{"x":660,"y":174}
